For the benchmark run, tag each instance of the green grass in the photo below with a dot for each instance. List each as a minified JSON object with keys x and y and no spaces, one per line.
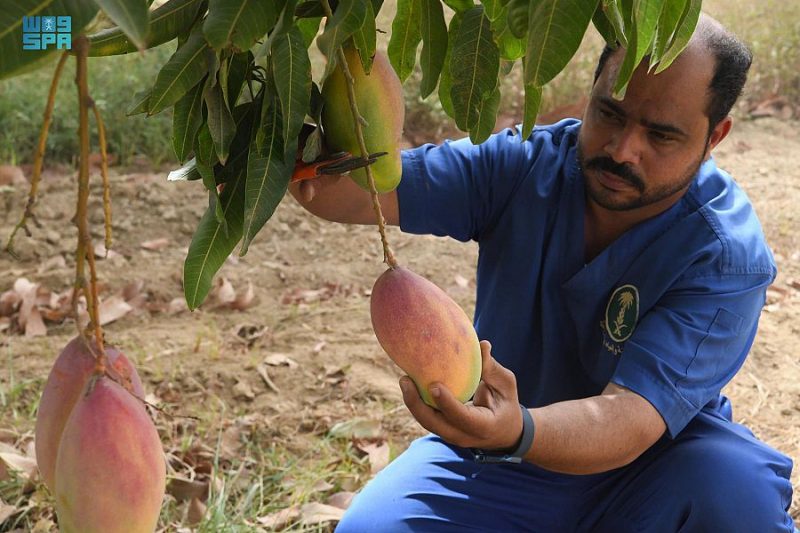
{"x":112,"y":83}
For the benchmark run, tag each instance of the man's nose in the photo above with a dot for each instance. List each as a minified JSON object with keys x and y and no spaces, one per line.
{"x":626,"y":146}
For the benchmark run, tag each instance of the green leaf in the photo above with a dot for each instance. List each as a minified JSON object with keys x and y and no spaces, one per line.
{"x":446,"y":81}
{"x":309,"y":28}
{"x":511,"y":47}
{"x":645,"y":14}
{"x":615,"y":17}
{"x":517,"y":17}
{"x":210,"y":183}
{"x":493,"y":9}
{"x":166,"y":22}
{"x":667,"y":24}
{"x":474,"y":67}
{"x":682,"y":35}
{"x":211,"y":245}
{"x":183,"y":70}
{"x":405,"y":37}
{"x":267,"y":175}
{"x":238,"y":22}
{"x":434,"y":45}
{"x":132,"y":17}
{"x":364,"y":39}
{"x":186,"y":119}
{"x":291,"y":69}
{"x":141,"y":103}
{"x":204,"y":149}
{"x":220,"y":121}
{"x":460,"y":6}
{"x":485,"y":118}
{"x":533,"y":99}
{"x":346,"y":20}
{"x":555,"y":31}
{"x":238,"y":69}
{"x":604,"y":27}
{"x":13,"y":59}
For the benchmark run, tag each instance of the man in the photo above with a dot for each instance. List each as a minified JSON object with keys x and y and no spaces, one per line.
{"x":620,"y":280}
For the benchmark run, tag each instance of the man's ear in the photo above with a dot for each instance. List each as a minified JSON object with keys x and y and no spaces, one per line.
{"x":719,"y":132}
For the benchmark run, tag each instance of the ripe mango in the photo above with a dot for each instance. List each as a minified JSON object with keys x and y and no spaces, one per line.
{"x":66,"y":381}
{"x":426,"y":333}
{"x":379,"y":97}
{"x":110,"y":471}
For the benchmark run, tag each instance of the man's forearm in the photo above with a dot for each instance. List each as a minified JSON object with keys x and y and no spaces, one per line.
{"x":594,"y":434}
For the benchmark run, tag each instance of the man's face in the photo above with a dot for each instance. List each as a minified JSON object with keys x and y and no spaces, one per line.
{"x":645,"y":150}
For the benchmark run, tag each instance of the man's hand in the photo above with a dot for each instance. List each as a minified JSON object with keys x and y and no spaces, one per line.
{"x":491,"y":421}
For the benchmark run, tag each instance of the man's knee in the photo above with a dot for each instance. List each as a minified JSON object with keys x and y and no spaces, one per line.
{"x":732,"y":483}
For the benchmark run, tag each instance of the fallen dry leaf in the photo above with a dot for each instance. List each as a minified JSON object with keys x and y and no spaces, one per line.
{"x":262,"y":371}
{"x":155,"y":244}
{"x":186,"y":489}
{"x":378,"y":453}
{"x":341,"y":499}
{"x":245,"y":299}
{"x":279,"y":359}
{"x":280,"y":519}
{"x":243,"y":391}
{"x":315,"y":513}
{"x":357,"y":428}
{"x":321,"y":485}
{"x":113,"y":309}
{"x":197,"y":510}
{"x":23,"y":466}
{"x":223,"y":293}
{"x":6,"y":511}
{"x":9,"y":302}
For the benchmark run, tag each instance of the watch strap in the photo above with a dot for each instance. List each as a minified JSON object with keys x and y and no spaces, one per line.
{"x":515,"y":456}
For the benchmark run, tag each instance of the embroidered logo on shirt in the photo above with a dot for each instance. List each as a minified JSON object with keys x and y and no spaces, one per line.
{"x":622,"y":312}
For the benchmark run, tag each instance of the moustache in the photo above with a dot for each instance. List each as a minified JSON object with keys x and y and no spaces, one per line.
{"x":620,"y":170}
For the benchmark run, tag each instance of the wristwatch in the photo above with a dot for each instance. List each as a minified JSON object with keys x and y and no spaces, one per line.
{"x":514,"y":456}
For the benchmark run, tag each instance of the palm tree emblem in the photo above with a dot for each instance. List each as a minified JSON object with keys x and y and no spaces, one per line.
{"x":622,"y":312}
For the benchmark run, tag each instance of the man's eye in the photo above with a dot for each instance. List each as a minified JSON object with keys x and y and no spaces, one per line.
{"x":661,"y":137}
{"x":606,"y":114}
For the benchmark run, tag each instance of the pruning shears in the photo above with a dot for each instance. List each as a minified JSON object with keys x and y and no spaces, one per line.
{"x":336,"y":163}
{"x":327,"y":164}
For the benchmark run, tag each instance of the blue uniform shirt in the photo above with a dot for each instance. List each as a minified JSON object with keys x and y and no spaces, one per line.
{"x":668,"y":310}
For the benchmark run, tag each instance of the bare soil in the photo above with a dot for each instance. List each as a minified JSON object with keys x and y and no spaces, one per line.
{"x":311,"y":281}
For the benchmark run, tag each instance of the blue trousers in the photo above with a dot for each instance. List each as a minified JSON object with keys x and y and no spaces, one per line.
{"x":714,"y":477}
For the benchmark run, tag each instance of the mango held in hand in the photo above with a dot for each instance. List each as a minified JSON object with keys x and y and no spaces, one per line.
{"x":426,"y":333}
{"x":67,"y":380}
{"x":379,"y":97}
{"x":110,"y":471}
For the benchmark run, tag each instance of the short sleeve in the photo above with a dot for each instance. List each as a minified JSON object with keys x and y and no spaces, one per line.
{"x":458,"y":189}
{"x":691,"y":343}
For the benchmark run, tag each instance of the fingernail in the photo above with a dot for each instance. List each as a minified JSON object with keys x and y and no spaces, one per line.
{"x":435,"y":392}
{"x":404,"y":384}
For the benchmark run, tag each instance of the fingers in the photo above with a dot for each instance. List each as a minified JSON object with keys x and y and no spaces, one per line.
{"x":425,"y":414}
{"x":307,"y":190}
{"x":494,"y":375}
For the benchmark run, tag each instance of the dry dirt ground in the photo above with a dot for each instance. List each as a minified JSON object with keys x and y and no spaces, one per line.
{"x":308,"y":326}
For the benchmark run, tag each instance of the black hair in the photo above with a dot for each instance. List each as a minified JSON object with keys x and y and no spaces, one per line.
{"x":732,"y":58}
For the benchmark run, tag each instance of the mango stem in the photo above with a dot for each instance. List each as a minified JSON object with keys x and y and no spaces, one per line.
{"x":85,"y":249}
{"x":358,"y":120}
